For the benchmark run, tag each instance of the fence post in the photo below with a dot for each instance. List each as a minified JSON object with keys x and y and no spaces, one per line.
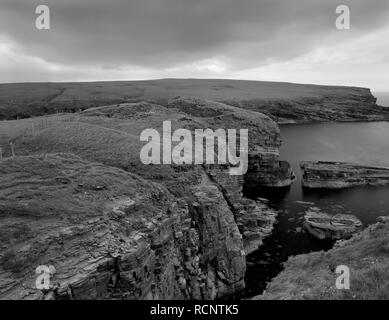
{"x":12,"y":149}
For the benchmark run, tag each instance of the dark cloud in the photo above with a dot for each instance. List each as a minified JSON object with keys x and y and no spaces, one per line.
{"x":166,"y":33}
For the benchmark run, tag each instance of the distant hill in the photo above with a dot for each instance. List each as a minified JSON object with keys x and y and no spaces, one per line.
{"x":284,"y":102}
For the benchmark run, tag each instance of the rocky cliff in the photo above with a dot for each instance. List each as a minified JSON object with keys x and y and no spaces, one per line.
{"x":337,"y":175}
{"x":284,"y":102}
{"x":115,"y":228}
{"x":344,"y":104}
{"x":255,"y":220}
{"x":111,"y":234}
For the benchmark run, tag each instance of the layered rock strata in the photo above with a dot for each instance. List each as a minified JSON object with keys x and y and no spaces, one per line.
{"x":265,"y":169}
{"x":254,"y":219}
{"x":337,"y":175}
{"x":327,"y":104}
{"x":112,"y":235}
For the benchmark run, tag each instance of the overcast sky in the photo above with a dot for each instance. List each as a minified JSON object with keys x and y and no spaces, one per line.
{"x":278,"y":40}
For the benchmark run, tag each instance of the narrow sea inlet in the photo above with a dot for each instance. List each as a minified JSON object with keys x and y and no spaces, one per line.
{"x":363,"y":143}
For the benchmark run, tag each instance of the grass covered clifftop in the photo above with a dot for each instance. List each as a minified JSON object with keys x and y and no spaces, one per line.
{"x":284,"y":102}
{"x":312,"y":276}
{"x":110,"y":134}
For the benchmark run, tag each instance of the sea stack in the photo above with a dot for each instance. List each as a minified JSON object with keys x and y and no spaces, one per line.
{"x":339,"y":175}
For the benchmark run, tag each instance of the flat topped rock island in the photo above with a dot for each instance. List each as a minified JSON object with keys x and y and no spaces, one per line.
{"x":338,"y":175}
{"x":324,"y":226}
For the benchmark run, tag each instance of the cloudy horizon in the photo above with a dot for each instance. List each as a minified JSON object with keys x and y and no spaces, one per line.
{"x":268,"y":40}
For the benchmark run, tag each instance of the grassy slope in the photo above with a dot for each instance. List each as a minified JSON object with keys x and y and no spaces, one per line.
{"x":32,"y":99}
{"x":110,"y":134}
{"x":312,"y":276}
{"x":111,"y":141}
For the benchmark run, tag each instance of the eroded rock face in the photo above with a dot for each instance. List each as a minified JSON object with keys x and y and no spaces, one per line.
{"x":112,"y":235}
{"x":265,"y":169}
{"x":324,"y":226}
{"x":337,"y":175}
{"x":345,"y":104}
{"x":254,"y":219}
{"x":221,"y":242}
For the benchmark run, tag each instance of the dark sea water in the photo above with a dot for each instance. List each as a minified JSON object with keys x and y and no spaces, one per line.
{"x":364,"y":143}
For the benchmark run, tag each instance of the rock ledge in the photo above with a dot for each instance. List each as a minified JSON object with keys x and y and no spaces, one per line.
{"x":338,"y":175}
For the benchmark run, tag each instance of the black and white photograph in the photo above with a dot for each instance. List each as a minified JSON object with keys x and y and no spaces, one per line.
{"x":202,"y":151}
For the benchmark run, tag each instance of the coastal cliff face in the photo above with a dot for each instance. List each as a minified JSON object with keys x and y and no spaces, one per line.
{"x":338,"y":175}
{"x":264,"y":165}
{"x":265,"y":169}
{"x":283,"y":102}
{"x":115,"y":228}
{"x":254,"y":219}
{"x":344,"y":104}
{"x":110,"y":234}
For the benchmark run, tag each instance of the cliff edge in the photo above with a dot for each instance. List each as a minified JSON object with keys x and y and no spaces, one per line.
{"x":283,"y":102}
